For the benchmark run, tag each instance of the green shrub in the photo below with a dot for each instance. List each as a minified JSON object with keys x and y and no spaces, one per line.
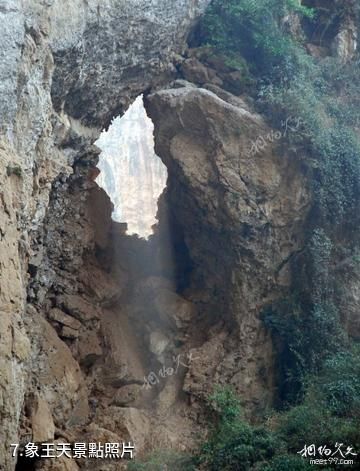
{"x":332,"y":145}
{"x":339,"y":383}
{"x":14,"y":170}
{"x":288,"y":463}
{"x":311,"y":422}
{"x":251,"y":28}
{"x":163,"y":459}
{"x":319,"y":367}
{"x":291,"y":83}
{"x":233,"y":443}
{"x":307,"y":335}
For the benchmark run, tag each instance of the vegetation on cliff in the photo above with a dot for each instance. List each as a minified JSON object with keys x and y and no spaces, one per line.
{"x":318,"y":361}
{"x":319,"y":373}
{"x":267,"y":35}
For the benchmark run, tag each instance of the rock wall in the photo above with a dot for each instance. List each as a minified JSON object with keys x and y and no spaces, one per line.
{"x":130,"y":172}
{"x":335,"y":32}
{"x":242,"y":214}
{"x":106,"y":337}
{"x":66,"y":69}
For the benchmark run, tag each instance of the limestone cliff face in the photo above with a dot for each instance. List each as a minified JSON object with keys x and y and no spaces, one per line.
{"x":242,"y":215}
{"x":130,"y":171}
{"x":66,"y":69}
{"x":339,"y":37}
{"x":88,"y":314}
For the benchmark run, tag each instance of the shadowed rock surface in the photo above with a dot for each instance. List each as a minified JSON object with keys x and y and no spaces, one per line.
{"x":106,"y":337}
{"x":66,"y":69}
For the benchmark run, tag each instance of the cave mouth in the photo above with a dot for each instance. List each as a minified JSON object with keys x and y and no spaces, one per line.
{"x":25,"y":463}
{"x":131,"y":173}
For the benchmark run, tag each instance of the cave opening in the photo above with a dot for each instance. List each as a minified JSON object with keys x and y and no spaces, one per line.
{"x":25,"y":463}
{"x":322,"y":29}
{"x":131,"y":173}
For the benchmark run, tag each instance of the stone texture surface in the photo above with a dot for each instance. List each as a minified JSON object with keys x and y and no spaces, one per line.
{"x":337,"y":31}
{"x":42,"y":424}
{"x":65,"y":69}
{"x":242,"y":216}
{"x":106,"y":337}
{"x":14,"y":344}
{"x":130,"y":172}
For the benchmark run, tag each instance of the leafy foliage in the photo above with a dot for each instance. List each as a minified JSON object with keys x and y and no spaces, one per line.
{"x":14,"y":170}
{"x":163,"y":459}
{"x":252,"y":28}
{"x":292,"y":83}
{"x":339,"y":383}
{"x":306,"y":325}
{"x":319,"y":367}
{"x":288,"y":462}
{"x":329,"y":134}
{"x":236,"y":445}
{"x":233,"y":443}
{"x":309,"y":335}
{"x":313,"y":421}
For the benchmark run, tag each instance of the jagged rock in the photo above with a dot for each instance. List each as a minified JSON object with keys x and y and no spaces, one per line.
{"x":65,"y":72}
{"x":42,"y":424}
{"x":345,"y":43}
{"x":106,"y":289}
{"x":21,"y":345}
{"x":127,"y":423}
{"x":158,"y":343}
{"x":89,"y":348}
{"x":60,"y":379}
{"x":59,"y":464}
{"x":64,"y":319}
{"x":194,"y":71}
{"x":204,"y":370}
{"x":69,"y":333}
{"x":170,"y":305}
{"x":179,"y":83}
{"x":116,"y":376}
{"x":204,"y":66}
{"x":63,"y":68}
{"x":77,"y":307}
{"x":228,"y":97}
{"x":238,"y":209}
{"x":126,"y":395}
{"x":96,"y":434}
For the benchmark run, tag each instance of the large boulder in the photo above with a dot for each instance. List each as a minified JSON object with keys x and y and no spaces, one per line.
{"x":241,"y":201}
